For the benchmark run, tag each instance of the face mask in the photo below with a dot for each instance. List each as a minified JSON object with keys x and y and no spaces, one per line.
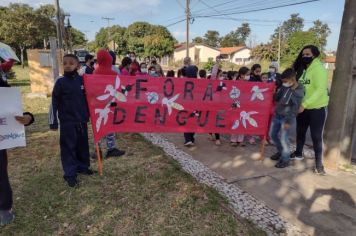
{"x":92,"y":64}
{"x":272,"y":70}
{"x":247,"y":77}
{"x":70,"y":74}
{"x":144,"y":70}
{"x":287,"y":85}
{"x":153,"y":73}
{"x":307,"y":60}
{"x":133,"y":58}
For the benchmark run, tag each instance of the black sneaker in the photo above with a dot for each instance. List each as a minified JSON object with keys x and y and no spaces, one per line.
{"x":6,"y":217}
{"x":87,"y":172}
{"x":320,"y":171}
{"x":296,"y":157}
{"x":276,"y":156}
{"x":72,"y":182}
{"x":282,"y":164}
{"x":115,"y":153}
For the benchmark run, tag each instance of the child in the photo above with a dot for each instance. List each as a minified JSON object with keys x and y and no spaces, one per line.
{"x":202,"y":74}
{"x":264,"y":77}
{"x":238,"y":139}
{"x":288,"y":99}
{"x":68,"y":100}
{"x":88,"y":68}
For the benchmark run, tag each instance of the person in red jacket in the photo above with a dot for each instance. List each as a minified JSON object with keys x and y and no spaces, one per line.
{"x":104,"y":67}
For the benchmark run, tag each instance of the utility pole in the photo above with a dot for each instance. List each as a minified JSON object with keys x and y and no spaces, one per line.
{"x":187,"y":14}
{"x":341,"y":123}
{"x":58,"y":25}
{"x":109,"y":19}
{"x":279,"y":44}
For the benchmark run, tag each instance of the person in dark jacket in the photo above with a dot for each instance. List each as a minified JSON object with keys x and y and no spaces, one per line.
{"x":69,"y":102}
{"x":288,"y":99}
{"x":189,"y":71}
{"x":6,"y":213}
{"x":256,"y":71}
{"x":88,"y":68}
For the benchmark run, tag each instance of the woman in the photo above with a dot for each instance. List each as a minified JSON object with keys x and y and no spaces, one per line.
{"x":6,"y":214}
{"x":313,"y":111}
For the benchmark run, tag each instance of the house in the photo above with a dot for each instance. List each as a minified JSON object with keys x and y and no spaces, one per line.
{"x":240,"y":55}
{"x":329,"y":62}
{"x":197,"y":52}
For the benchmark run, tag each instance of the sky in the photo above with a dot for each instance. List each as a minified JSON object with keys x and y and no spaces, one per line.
{"x":86,"y":15}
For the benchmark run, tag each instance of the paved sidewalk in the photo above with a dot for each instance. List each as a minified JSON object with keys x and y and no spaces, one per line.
{"x":318,"y":205}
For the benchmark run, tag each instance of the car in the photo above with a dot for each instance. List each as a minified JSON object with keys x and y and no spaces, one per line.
{"x":81,"y":55}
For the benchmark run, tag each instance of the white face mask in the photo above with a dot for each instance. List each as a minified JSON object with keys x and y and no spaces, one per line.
{"x":144,"y":70}
{"x":247,"y":77}
{"x":272,"y":70}
{"x":133,"y":58}
{"x":287,"y":85}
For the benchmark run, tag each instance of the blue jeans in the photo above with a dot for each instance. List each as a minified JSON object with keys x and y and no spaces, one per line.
{"x":280,"y":136}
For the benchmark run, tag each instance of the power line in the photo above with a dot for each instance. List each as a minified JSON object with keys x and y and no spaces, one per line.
{"x":259,"y":9}
{"x":246,"y":11}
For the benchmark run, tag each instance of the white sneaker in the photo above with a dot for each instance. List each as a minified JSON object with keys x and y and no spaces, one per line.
{"x":189,"y":144}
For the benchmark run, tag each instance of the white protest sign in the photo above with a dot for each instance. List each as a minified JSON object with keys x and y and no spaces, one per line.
{"x":12,"y":133}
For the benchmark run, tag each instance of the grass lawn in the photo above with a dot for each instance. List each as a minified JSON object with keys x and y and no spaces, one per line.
{"x":142,"y":193}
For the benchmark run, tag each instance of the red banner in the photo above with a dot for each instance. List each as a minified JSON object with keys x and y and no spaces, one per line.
{"x":148,"y":104}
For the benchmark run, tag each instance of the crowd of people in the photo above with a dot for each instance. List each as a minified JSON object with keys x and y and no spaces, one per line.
{"x":301,"y":96}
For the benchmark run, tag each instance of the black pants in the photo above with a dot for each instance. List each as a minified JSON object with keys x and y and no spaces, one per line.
{"x":189,"y":137}
{"x":5,"y":188}
{"x":74,"y":149}
{"x":315,"y":119}
{"x":217,"y":136}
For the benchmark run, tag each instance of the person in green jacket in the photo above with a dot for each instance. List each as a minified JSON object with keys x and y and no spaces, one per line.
{"x":313,"y":111}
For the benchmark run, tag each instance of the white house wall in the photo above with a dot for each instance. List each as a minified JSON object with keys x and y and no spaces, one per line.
{"x":244,"y":55}
{"x":205,"y":53}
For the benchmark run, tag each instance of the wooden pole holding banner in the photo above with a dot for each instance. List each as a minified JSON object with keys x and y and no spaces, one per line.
{"x":100,"y":164}
{"x":263,"y":143}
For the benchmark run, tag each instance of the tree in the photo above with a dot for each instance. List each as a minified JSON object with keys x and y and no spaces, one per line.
{"x":322,"y":31}
{"x":294,"y":24}
{"x":77,"y":37}
{"x":296,"y":42}
{"x":211,"y":38}
{"x":198,"y":40}
{"x":237,"y":37}
{"x":135,"y":34}
{"x":149,"y":40}
{"x":22,"y":27}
